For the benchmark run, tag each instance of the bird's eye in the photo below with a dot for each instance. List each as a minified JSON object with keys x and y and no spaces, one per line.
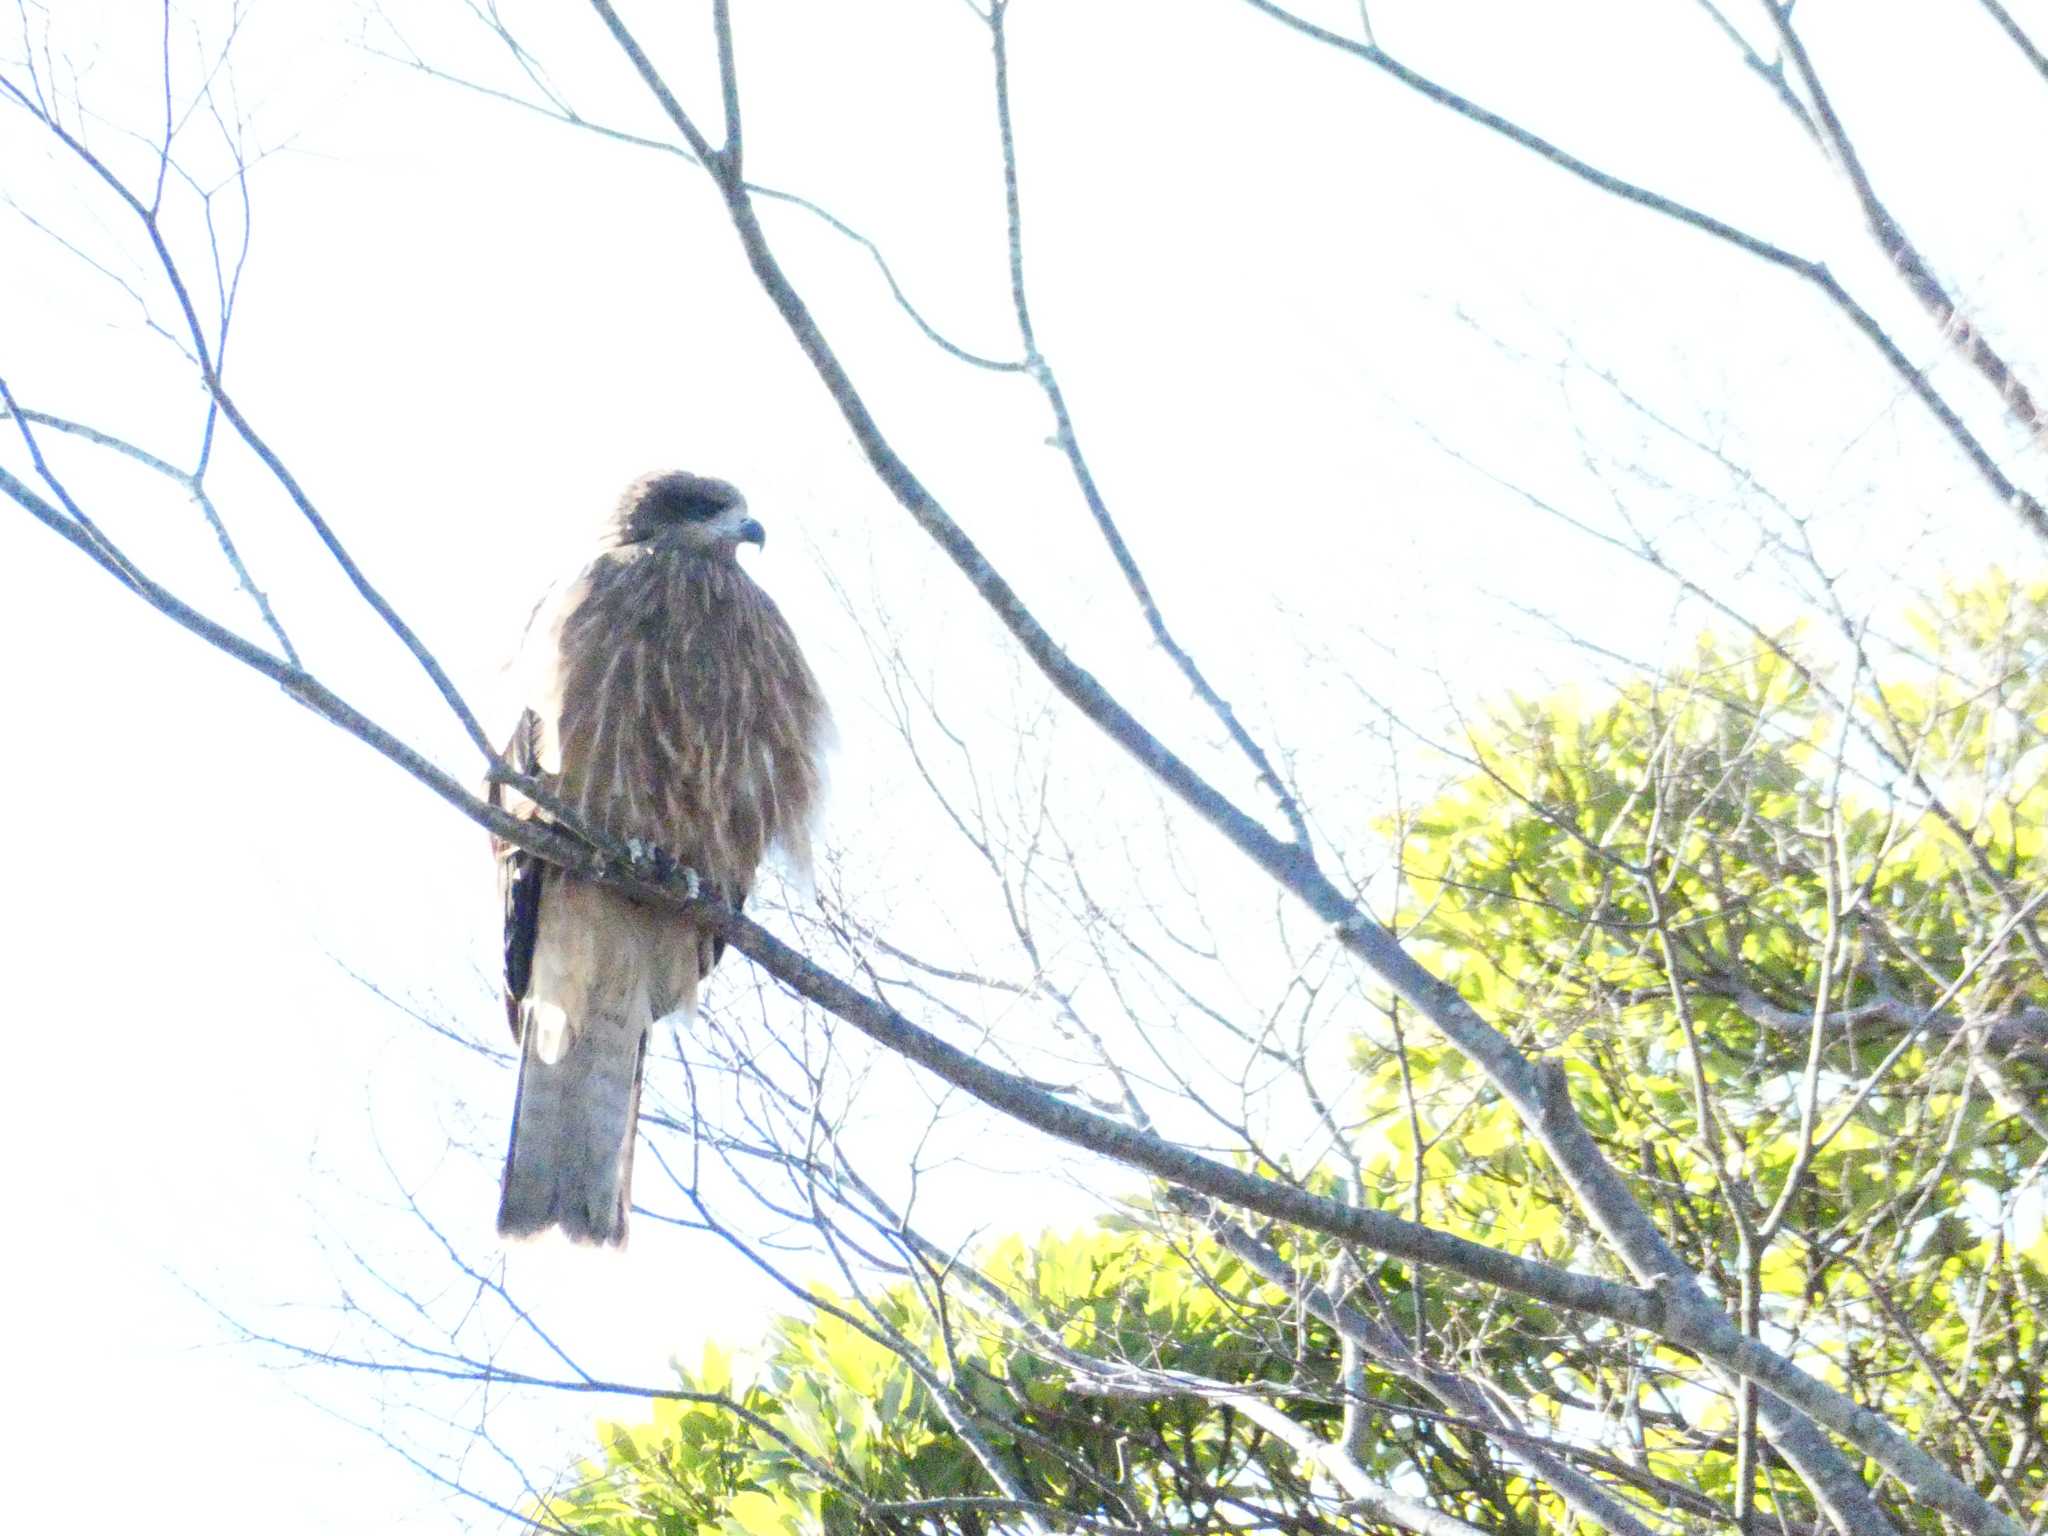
{"x":695,"y":509}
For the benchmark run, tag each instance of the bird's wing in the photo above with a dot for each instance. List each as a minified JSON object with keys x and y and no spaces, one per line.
{"x":521,"y":876}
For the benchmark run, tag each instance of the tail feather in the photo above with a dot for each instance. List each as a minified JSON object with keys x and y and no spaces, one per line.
{"x":604,"y":969}
{"x":570,"y":1163}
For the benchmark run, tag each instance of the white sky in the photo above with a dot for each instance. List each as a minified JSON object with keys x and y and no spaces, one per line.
{"x":1276,"y":287}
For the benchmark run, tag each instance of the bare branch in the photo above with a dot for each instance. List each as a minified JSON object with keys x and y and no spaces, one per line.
{"x":2032,"y":514}
{"x":2011,"y":28}
{"x":192,"y":485}
{"x":1904,"y":255}
{"x":1069,"y":442}
{"x":146,"y":214}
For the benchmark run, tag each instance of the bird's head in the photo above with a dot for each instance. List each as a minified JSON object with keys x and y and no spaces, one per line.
{"x":681,"y":509}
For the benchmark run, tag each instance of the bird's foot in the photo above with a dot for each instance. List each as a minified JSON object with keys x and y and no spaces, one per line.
{"x":656,"y":864}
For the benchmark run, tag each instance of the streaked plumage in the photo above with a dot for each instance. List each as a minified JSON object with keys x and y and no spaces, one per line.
{"x":668,"y":704}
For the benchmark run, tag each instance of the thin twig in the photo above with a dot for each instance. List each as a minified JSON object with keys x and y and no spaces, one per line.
{"x":2026,"y":45}
{"x":1904,"y":256}
{"x":210,"y":375}
{"x":1069,"y":442}
{"x":193,"y":487}
{"x":2031,"y":512}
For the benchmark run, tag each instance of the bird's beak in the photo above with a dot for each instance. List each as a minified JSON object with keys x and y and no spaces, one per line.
{"x":753,"y":533}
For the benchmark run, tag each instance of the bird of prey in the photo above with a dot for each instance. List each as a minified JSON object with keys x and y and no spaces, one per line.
{"x":666,"y":704}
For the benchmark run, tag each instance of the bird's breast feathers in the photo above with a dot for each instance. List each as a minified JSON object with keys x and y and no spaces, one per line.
{"x":676,"y":708}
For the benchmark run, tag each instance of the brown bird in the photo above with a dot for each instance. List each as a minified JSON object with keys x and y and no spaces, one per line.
{"x":668,"y":706}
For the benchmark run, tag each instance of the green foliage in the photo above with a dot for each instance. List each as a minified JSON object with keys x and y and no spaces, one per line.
{"x":1762,"y":911}
{"x":840,"y":1417}
{"x":1665,"y":891}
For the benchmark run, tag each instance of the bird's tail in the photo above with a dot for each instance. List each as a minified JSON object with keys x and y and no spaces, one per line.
{"x":571,"y":1159}
{"x":604,"y":969}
